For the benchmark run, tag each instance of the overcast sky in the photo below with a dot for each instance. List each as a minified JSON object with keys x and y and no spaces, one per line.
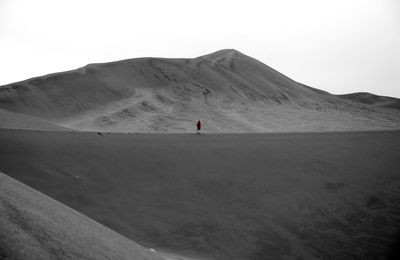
{"x":340,"y":46}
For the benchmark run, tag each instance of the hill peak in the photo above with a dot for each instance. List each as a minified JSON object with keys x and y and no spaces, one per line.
{"x":221,"y":53}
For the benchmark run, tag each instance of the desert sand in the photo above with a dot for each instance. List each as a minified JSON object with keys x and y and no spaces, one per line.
{"x":302,"y":174}
{"x":34,"y":226}
{"x":11,"y":120}
{"x":223,"y":196}
{"x":229,"y":91}
{"x":373,"y":100}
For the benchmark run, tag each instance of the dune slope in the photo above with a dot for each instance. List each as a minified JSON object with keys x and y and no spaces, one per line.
{"x":235,"y":196}
{"x":34,"y":226}
{"x":228,"y":90}
{"x":374,"y":100}
{"x":11,"y":120}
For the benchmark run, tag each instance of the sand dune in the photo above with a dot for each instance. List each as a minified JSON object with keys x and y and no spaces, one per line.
{"x":374,"y":100}
{"x":236,"y":196}
{"x":228,"y":90}
{"x":34,"y":226}
{"x":11,"y":120}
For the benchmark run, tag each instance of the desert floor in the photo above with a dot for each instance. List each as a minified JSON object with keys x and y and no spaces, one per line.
{"x":224,"y":196}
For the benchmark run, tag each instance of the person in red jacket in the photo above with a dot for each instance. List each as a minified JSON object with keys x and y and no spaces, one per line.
{"x":198,"y":127}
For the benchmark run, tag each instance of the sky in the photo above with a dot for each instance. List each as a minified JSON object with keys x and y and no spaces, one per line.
{"x":340,"y":46}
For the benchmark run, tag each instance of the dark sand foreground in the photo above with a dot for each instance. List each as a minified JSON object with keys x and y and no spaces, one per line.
{"x":224,"y":196}
{"x":34,"y":226}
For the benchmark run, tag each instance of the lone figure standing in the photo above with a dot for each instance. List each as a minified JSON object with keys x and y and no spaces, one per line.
{"x":198,"y":127}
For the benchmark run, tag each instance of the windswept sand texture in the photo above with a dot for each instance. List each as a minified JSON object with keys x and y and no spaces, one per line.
{"x":236,"y":196}
{"x":374,"y":100}
{"x":34,"y":226}
{"x":11,"y":120}
{"x":228,"y":90}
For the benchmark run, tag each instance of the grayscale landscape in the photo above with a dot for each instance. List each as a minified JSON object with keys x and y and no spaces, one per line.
{"x":229,"y":91}
{"x":103,"y":162}
{"x":34,"y":226}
